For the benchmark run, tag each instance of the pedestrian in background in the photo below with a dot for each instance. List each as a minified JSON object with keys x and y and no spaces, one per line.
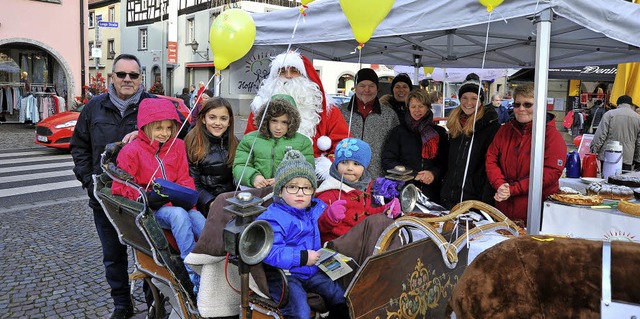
{"x":620,"y":124}
{"x":107,"y":118}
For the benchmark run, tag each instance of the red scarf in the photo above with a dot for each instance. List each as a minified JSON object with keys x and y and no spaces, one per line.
{"x":428,"y":135}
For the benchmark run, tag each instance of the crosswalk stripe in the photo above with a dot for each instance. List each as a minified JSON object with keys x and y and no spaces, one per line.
{"x":35,"y":167}
{"x":30,"y":177}
{"x":38,"y":188}
{"x":34,"y":159}
{"x":13,"y":154}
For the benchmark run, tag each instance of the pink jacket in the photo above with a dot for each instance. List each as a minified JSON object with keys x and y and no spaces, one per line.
{"x":146,"y":160}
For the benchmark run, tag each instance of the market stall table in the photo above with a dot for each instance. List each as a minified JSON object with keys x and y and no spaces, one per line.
{"x":586,"y":222}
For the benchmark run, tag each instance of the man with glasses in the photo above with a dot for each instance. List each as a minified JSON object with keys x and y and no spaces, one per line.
{"x":108,"y":118}
{"x":509,"y":157}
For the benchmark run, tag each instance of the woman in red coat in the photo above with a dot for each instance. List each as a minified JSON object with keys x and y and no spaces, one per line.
{"x":509,"y":157}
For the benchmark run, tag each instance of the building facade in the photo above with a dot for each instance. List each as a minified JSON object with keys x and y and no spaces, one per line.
{"x":42,"y":42}
{"x":103,"y":23}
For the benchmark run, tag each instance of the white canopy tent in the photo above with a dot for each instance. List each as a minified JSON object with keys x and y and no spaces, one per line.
{"x":444,"y":33}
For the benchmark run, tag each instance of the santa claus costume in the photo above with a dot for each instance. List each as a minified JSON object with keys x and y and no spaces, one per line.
{"x":322,"y":121}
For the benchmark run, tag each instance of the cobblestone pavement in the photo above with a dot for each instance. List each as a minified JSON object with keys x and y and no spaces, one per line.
{"x":51,"y":264}
{"x":17,"y":136}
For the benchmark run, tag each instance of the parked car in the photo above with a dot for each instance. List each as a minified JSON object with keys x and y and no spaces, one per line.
{"x":56,"y":130}
{"x":449,"y":105}
{"x":340,"y":99}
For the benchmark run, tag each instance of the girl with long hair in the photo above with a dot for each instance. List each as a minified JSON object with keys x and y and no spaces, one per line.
{"x":211,"y":147}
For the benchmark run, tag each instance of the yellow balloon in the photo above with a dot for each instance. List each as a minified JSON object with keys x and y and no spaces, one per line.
{"x":306,"y":2}
{"x":490,"y":4}
{"x":365,"y":16}
{"x":231,"y":36}
{"x":428,"y":70}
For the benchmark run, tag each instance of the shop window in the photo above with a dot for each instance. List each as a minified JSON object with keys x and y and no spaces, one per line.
{"x":142,"y":39}
{"x":191,"y":26}
{"x":112,"y":13}
{"x":92,"y":19}
{"x":111,"y":47}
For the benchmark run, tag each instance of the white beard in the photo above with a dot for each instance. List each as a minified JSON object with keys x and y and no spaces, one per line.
{"x":304,"y":91}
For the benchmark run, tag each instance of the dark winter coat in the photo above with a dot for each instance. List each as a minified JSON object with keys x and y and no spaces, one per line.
{"x":477,"y":185}
{"x":212,"y":175}
{"x":99,"y":124}
{"x":404,"y":147}
{"x":508,"y":160}
{"x":399,"y":107}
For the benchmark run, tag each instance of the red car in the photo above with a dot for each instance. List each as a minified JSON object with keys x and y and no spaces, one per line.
{"x":56,"y":130}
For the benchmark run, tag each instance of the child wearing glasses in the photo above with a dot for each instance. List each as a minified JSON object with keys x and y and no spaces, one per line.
{"x":270,"y":142}
{"x":294,"y":218}
{"x":156,"y":153}
{"x":348,"y":191}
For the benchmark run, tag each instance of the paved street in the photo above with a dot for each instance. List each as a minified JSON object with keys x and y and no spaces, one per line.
{"x":49,"y":250}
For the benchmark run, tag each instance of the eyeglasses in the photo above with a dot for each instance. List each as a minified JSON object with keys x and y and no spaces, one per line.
{"x":527,"y":105}
{"x":293,"y":189}
{"x":132,"y":75}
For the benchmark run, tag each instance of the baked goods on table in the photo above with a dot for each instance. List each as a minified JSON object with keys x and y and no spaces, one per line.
{"x":568,"y":190}
{"x":609,"y":191}
{"x":630,"y":180}
{"x":636,"y":192}
{"x":578,"y":199}
{"x":629,"y":208}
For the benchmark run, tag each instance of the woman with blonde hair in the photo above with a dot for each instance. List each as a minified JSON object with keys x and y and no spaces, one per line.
{"x":472,"y":127}
{"x":211,"y":148}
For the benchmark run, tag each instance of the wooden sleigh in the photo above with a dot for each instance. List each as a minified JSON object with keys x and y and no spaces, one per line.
{"x":160,"y":264}
{"x":414,"y":279}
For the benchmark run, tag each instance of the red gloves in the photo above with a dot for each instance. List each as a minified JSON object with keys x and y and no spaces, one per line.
{"x":336,"y":210}
{"x":393,"y":208}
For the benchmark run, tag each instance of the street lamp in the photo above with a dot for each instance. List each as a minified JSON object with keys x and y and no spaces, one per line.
{"x":194,"y":46}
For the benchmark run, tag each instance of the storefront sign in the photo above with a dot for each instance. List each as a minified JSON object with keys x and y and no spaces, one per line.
{"x":172,"y":54}
{"x":247,"y":74}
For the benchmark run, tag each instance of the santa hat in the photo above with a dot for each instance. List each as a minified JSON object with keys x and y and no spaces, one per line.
{"x":304,"y":65}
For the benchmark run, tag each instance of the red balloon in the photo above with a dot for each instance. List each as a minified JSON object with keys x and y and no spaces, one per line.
{"x":577,"y":140}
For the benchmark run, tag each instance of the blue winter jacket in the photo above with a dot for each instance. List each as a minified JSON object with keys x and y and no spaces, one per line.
{"x":295,"y":230}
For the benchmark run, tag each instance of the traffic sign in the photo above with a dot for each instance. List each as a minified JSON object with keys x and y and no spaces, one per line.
{"x":108,"y":24}
{"x":99,"y":17}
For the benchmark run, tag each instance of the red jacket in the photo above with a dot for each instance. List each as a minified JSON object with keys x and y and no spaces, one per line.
{"x":509,"y":159}
{"x":144,"y":159}
{"x":358,"y":207}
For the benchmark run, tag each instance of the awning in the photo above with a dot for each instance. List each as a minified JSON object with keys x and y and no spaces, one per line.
{"x":199,"y":65}
{"x":606,"y":73}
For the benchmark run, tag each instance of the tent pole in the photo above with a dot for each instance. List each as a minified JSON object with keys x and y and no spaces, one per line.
{"x":543,"y":40}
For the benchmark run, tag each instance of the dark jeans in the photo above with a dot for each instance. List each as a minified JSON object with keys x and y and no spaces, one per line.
{"x":114,"y":258}
{"x":331,"y":292}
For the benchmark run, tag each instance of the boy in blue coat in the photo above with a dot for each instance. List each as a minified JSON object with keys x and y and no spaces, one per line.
{"x":294,"y":217}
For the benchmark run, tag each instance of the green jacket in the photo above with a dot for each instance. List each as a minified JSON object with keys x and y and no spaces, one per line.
{"x":266,"y":156}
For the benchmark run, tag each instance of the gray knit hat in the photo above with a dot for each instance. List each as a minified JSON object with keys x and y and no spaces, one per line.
{"x":293,"y":165}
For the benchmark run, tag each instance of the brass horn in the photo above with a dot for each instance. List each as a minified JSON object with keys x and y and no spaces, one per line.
{"x":255,"y":242}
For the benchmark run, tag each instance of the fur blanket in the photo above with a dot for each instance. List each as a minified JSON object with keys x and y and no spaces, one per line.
{"x":543,"y":277}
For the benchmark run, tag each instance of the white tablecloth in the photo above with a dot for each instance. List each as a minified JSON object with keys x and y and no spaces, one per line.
{"x":574,"y":183}
{"x":585,"y":222}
